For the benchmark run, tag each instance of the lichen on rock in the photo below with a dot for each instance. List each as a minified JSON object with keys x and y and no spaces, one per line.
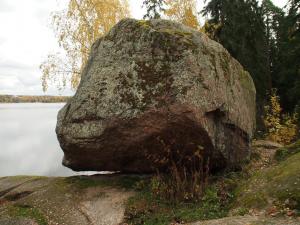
{"x":148,"y":81}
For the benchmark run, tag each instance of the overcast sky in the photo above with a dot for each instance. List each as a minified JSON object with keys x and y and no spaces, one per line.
{"x":26,"y":39}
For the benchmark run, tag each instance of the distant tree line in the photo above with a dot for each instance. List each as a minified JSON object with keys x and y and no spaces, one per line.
{"x":28,"y":99}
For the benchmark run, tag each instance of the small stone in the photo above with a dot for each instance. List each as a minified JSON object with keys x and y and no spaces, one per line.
{"x":290,"y":213}
{"x":273,"y":211}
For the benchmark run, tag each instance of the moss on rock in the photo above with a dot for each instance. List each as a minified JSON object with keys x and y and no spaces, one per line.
{"x":27,"y":211}
{"x":278,"y":185}
{"x":156,"y":72}
{"x":148,"y":208}
{"x":287,"y":151}
{"x":246,"y":81}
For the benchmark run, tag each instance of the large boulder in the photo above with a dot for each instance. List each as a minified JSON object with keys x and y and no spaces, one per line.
{"x":151,"y":87}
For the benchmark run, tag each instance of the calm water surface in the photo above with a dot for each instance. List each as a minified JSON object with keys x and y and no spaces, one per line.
{"x":28,"y":143}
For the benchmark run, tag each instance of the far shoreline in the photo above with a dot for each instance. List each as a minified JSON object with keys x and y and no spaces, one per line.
{"x":33,"y":99}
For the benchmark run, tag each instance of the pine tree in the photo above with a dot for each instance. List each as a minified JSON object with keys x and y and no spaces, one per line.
{"x":154,"y":7}
{"x":287,"y":70}
{"x":239,"y":26}
{"x":273,"y":17}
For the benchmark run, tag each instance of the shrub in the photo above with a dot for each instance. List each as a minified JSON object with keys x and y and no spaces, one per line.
{"x":281,"y":128}
{"x":287,"y":151}
{"x":180,"y":177}
{"x":146,"y":208}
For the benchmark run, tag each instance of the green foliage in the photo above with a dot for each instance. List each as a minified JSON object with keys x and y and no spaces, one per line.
{"x":272,"y":18}
{"x":287,"y":68}
{"x":242,"y":211}
{"x":285,"y":152}
{"x":82,"y":182}
{"x":149,"y":209}
{"x":265,"y":40}
{"x":27,"y":211}
{"x":153,"y":7}
{"x":239,"y":27}
{"x":278,"y":185}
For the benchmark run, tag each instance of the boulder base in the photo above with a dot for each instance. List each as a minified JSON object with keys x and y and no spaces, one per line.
{"x":151,"y":88}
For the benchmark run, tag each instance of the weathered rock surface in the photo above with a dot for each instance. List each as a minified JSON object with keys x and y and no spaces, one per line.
{"x":249,"y":220}
{"x":265,"y":144}
{"x":154,"y":86}
{"x":96,"y":200}
{"x":17,"y":221}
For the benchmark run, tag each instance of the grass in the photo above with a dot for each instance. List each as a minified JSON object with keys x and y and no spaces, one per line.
{"x":82,"y":182}
{"x":278,"y":185}
{"x":148,"y":209}
{"x":285,"y":152}
{"x":27,"y":211}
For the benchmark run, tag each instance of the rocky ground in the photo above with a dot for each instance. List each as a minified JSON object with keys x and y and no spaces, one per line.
{"x":249,"y":220}
{"x":267,"y":193}
{"x":63,"y":201}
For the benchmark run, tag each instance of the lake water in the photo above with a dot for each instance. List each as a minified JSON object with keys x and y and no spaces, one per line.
{"x":28,"y":143}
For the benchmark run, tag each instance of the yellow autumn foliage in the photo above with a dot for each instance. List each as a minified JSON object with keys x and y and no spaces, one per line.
{"x":281,"y":128}
{"x":77,"y":28}
{"x":183,"y":11}
{"x":211,"y":29}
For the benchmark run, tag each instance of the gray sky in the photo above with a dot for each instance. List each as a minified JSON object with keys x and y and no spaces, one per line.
{"x":26,"y":39}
